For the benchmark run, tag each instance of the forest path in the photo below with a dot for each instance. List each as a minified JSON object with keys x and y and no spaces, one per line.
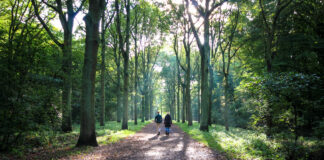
{"x":147,"y":145}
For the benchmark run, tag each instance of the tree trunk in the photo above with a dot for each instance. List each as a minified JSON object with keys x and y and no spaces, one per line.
{"x":151,"y":103}
{"x":147,"y":108}
{"x":143,"y":108}
{"x":125,"y":105}
{"x":67,"y":80}
{"x":188,"y":97}
{"x":178,"y":94}
{"x":118,"y":92}
{"x":131,"y":106}
{"x":204,"y":77}
{"x":226,"y":101}
{"x":103,"y":70}
{"x":87,"y":130}
{"x":198,"y":112}
{"x":126,"y":61}
{"x":211,"y":88}
{"x":183,"y":105}
{"x":136,"y":68}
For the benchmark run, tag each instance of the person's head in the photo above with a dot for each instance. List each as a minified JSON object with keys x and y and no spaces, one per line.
{"x":168,"y":113}
{"x":158,"y":112}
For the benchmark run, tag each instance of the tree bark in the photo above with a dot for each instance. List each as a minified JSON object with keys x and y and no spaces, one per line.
{"x":67,"y":80}
{"x":178,"y":94}
{"x":87,"y":130}
{"x":227,"y":101}
{"x":204,"y":77}
{"x":103,"y":70}
{"x":188,"y":97}
{"x":199,"y":102}
{"x":136,"y":76}
{"x":211,"y":88}
{"x":183,"y":105}
{"x":143,"y":108}
{"x":118,"y":90}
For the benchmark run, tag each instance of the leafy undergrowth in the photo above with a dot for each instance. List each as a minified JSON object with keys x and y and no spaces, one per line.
{"x":52,"y":145}
{"x":239,"y":143}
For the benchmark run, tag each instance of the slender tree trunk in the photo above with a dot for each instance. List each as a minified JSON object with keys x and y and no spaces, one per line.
{"x":183,"y":105}
{"x":226,"y":101}
{"x":67,"y":82}
{"x":126,"y":60}
{"x":125,"y":105}
{"x":136,"y":68}
{"x":143,"y":108}
{"x":118,"y":92}
{"x":136,"y":78}
{"x":151,"y":103}
{"x":146,"y":92}
{"x":131,"y":106}
{"x":211,"y":88}
{"x":198,"y":113}
{"x":87,"y":130}
{"x":178,"y":94}
{"x":147,"y":108}
{"x":103,"y":70}
{"x":188,"y":97}
{"x":135,"y":98}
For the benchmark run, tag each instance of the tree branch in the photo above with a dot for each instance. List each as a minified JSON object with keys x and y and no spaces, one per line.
{"x":79,"y":8}
{"x":45,"y":26}
{"x":214,"y":6}
{"x":51,"y":6}
{"x":200,"y":46}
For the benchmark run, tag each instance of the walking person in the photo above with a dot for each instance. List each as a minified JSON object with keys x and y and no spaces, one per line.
{"x":158,"y":121}
{"x":167,"y":123}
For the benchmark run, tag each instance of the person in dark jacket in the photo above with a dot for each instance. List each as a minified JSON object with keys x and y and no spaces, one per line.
{"x":167,"y":123}
{"x":158,"y":121}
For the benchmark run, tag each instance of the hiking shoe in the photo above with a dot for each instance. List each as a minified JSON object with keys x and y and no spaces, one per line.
{"x":158,"y":133}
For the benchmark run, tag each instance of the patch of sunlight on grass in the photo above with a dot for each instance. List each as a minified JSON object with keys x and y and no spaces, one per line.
{"x":235,"y":143}
{"x":112,"y":132}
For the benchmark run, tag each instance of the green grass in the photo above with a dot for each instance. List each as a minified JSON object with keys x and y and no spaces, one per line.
{"x":64,"y":143}
{"x":235,"y":143}
{"x":111,"y":132}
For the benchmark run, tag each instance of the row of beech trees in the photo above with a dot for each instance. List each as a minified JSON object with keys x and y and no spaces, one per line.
{"x":126,"y":24}
{"x":119,"y":25}
{"x":209,"y":37}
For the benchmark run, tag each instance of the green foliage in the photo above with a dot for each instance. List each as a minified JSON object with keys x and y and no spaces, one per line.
{"x":240,"y":143}
{"x":288,"y":100}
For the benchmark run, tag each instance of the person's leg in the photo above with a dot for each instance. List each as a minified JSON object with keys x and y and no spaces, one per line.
{"x":158,"y":127}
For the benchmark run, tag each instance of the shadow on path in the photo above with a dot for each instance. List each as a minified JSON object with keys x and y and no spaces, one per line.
{"x":147,"y":145}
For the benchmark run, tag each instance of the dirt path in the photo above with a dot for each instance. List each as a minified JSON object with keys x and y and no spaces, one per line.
{"x":147,"y":145}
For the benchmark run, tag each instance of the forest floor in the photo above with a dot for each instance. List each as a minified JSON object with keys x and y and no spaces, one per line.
{"x":147,"y":145}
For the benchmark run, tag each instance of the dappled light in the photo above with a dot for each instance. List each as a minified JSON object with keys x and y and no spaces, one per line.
{"x":162,"y":79}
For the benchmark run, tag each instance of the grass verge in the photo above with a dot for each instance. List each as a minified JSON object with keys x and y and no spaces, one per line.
{"x":235,"y":143}
{"x":54,"y":145}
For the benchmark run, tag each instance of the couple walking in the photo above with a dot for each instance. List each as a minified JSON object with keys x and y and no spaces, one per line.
{"x":167,"y":123}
